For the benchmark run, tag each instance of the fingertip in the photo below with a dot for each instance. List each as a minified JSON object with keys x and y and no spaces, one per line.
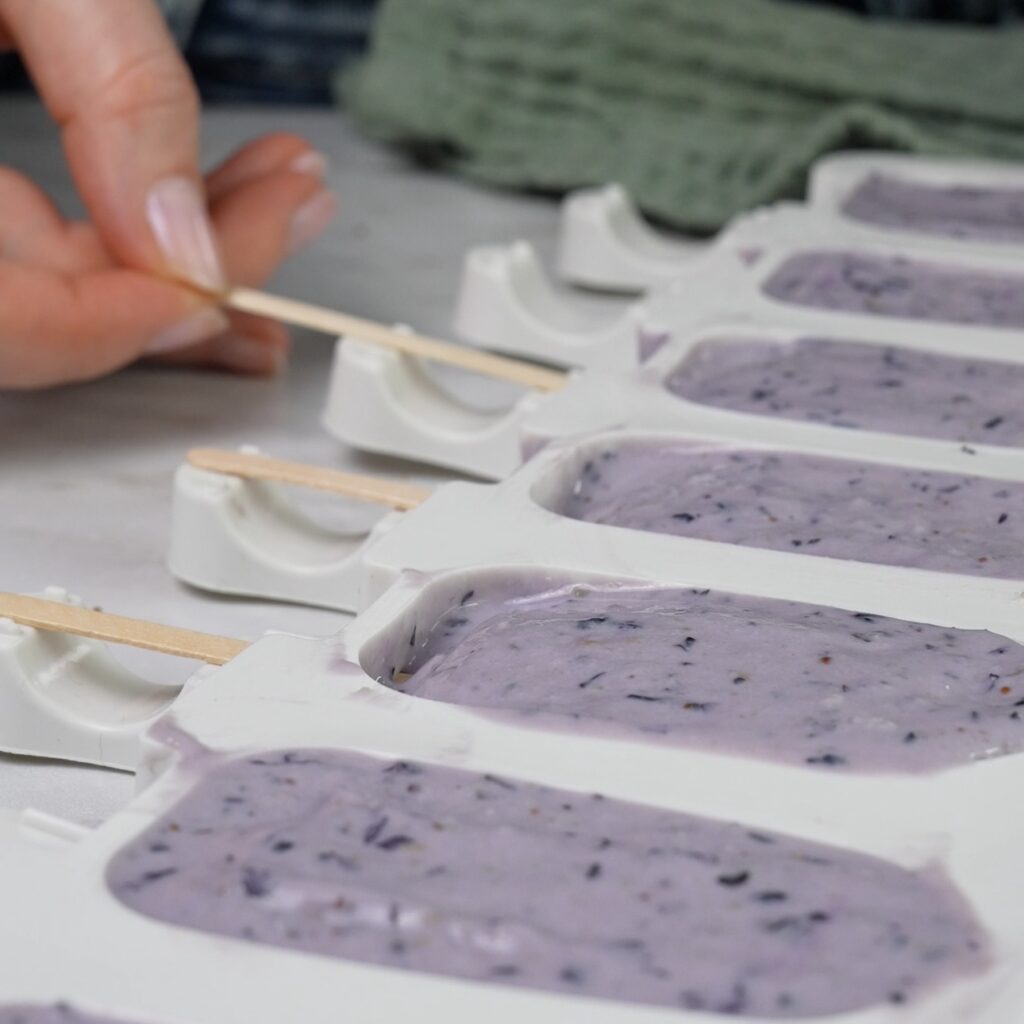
{"x":269,"y":154}
{"x":244,"y":354}
{"x":311,"y":220}
{"x":311,"y":162}
{"x":251,"y":347}
{"x":62,"y":328}
{"x":261,"y":223}
{"x":178,"y":217}
{"x":128,"y":110}
{"x":187,"y":332}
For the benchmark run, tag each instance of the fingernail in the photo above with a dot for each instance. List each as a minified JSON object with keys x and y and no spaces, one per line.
{"x":310,"y":162}
{"x":177,"y":216}
{"x":203,"y":324}
{"x":311,"y":219}
{"x":237,"y":352}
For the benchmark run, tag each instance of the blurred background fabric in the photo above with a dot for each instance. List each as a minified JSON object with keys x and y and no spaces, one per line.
{"x":978,"y":11}
{"x":286,"y":50}
{"x":700,"y":109}
{"x":282,"y":51}
{"x":267,"y":51}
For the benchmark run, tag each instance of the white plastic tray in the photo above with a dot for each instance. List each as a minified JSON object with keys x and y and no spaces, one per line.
{"x":506,"y":303}
{"x":234,"y":536}
{"x":383,"y":402}
{"x":290,"y":692}
{"x":834,"y":178}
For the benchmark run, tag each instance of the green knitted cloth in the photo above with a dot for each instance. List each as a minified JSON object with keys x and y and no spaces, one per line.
{"x":701,"y":108}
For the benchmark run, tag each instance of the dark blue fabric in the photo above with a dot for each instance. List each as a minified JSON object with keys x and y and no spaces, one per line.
{"x":976,"y":11}
{"x":286,"y":51}
{"x":277,"y":51}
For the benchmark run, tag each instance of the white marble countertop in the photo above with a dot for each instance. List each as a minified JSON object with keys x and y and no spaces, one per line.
{"x":85,"y":471}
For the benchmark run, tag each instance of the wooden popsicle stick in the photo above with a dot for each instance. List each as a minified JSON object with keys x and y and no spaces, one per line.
{"x":55,"y":616}
{"x":259,"y":467}
{"x":304,"y":314}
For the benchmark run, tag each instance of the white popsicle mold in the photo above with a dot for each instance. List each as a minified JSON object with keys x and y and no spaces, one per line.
{"x":382,"y":401}
{"x":799,"y":222}
{"x":605,"y":243}
{"x":374,"y":397}
{"x":250,"y":533}
{"x":68,"y":697}
{"x":834,"y":178}
{"x":505,"y":302}
{"x":216,"y":546}
{"x":290,"y":692}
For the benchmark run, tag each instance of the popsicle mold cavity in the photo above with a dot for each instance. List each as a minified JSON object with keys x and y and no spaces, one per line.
{"x":955,"y":211}
{"x":898,"y":287}
{"x":812,"y":505}
{"x":475,"y":876}
{"x":859,"y":385}
{"x":797,"y":683}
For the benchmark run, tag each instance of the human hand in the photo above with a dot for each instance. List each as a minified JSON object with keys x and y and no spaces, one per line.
{"x":80,"y":299}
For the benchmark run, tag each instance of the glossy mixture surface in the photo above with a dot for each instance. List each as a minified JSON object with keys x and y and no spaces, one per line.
{"x":488,"y":878}
{"x":797,"y":683}
{"x":897,"y":287}
{"x":955,"y":211}
{"x":813,"y":505}
{"x":859,"y":385}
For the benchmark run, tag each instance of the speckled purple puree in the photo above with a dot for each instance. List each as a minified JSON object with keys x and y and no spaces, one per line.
{"x":59,"y":1014}
{"x":770,"y":679}
{"x":898,"y":287}
{"x":809,"y":505}
{"x":957,"y":211}
{"x":474,"y":876}
{"x":855,"y":384}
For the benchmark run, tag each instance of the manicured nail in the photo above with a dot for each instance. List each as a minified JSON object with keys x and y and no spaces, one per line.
{"x":311,"y":219}
{"x":237,"y":352}
{"x":177,"y":216}
{"x":310,"y":162}
{"x":203,"y":324}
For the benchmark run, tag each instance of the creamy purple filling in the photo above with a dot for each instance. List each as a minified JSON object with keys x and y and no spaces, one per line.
{"x":955,"y":211}
{"x":859,"y":385}
{"x":897,"y":287}
{"x":796,"y":683}
{"x":812,"y":505}
{"x":492,"y":879}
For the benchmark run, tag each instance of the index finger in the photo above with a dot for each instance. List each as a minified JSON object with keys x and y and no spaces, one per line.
{"x":112,"y":78}
{"x":56,"y":328}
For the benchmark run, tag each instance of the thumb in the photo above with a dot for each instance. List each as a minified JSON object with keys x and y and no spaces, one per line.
{"x":112,"y":78}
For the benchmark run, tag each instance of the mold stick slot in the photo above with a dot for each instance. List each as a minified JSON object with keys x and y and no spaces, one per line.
{"x":58,"y":617}
{"x":63,"y":694}
{"x":251,"y":466}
